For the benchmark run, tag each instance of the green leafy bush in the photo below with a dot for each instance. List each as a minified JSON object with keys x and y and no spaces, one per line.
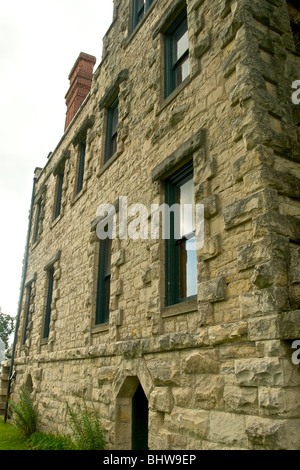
{"x":88,"y":433}
{"x":42,"y":441}
{"x":24,"y":414}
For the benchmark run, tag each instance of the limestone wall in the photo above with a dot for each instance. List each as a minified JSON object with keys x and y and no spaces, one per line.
{"x":217,"y":371}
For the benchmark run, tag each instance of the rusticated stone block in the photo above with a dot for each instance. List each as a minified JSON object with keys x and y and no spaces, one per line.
{"x":289,"y":325}
{"x":226,"y":333}
{"x":211,"y":207}
{"x":273,"y":222}
{"x":263,"y":328}
{"x":262,"y":250}
{"x":272,"y":434}
{"x":240,"y":399}
{"x":212,"y":291}
{"x":209,"y":391}
{"x":201,"y":362}
{"x":259,"y":372}
{"x":164,"y":373}
{"x":118,"y":258}
{"x":247,"y":208}
{"x":161,"y":400}
{"x":193,"y":423}
{"x":211,"y":248}
{"x":203,"y":46}
{"x":273,"y":272}
{"x":282,"y":182}
{"x":228,"y":429}
{"x":264,"y":302}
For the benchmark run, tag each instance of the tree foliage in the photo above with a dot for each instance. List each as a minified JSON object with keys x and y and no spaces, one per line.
{"x":7,"y":324}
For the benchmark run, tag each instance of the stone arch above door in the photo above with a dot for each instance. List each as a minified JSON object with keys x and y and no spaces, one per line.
{"x":126,"y":384}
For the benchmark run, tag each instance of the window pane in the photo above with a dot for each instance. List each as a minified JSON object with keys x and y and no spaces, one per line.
{"x":187,"y":207}
{"x":27,"y":313}
{"x":112,"y":130}
{"x":181,"y":42}
{"x":103,"y":288}
{"x":182,"y":71}
{"x":49,"y":302}
{"x":191,"y":267}
{"x":114,"y":120}
{"x":81,"y":167}
{"x":59,"y":194}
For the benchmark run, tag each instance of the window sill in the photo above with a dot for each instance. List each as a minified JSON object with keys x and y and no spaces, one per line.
{"x":109,"y":162}
{"x":178,"y":309}
{"x":166,"y":101}
{"x":55,"y":222}
{"x":78,"y":195}
{"x":104,"y":327}
{"x":44,"y":341}
{"x":36,"y":244}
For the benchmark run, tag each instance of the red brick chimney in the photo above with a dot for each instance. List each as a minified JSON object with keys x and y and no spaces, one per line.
{"x":80,"y":78}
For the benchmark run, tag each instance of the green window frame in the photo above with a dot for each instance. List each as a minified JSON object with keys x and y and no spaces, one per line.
{"x":103,"y":282}
{"x":294,"y":14}
{"x":81,"y":164}
{"x":60,"y":182}
{"x":49,"y":302}
{"x":177,"y":62}
{"x":37,"y":221}
{"x":139,"y":9}
{"x":112,"y":130}
{"x":27,"y":312}
{"x":181,"y":262}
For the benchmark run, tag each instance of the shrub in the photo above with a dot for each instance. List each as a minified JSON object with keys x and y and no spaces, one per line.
{"x":24,"y":414}
{"x":88,"y":433}
{"x":42,"y":441}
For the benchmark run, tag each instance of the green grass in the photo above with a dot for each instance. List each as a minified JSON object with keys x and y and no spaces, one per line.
{"x":10,"y":437}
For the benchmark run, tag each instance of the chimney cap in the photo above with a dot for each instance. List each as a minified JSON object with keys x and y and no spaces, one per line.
{"x":85,"y":58}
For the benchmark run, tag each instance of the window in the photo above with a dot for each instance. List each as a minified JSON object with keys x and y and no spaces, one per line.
{"x":60,"y":181}
{"x":294,"y":13}
{"x":139,"y":9}
{"x":103,"y":284}
{"x":81,"y":167}
{"x":37,"y":221}
{"x":49,"y":302}
{"x":177,"y":63}
{"x":112,"y":130}
{"x":27,"y":311}
{"x":181,"y":255}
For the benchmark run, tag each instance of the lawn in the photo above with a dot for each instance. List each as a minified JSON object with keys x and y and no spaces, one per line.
{"x":10,"y":438}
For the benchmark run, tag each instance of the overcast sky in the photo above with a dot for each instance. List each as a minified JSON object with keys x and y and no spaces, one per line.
{"x":39,"y":43}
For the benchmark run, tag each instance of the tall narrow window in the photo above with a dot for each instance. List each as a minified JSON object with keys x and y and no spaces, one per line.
{"x":103,"y":285}
{"x":60,"y":181}
{"x":181,"y":256}
{"x":294,"y":12}
{"x":27,"y":312}
{"x":177,"y":62}
{"x":139,"y":9}
{"x":49,"y":302}
{"x":81,"y":162}
{"x":112,"y":130}
{"x":37,"y":221}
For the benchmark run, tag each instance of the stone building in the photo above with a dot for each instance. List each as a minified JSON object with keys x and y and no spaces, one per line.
{"x":177,"y":349}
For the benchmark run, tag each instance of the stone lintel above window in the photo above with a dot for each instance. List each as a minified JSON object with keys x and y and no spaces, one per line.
{"x":168,"y":17}
{"x":61,"y":162}
{"x":53,"y":260}
{"x":179,"y":157}
{"x":112,"y":91}
{"x":82,"y":131}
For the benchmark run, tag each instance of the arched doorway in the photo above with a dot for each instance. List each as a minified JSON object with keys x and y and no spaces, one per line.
{"x":139,"y":435}
{"x":131,"y":431}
